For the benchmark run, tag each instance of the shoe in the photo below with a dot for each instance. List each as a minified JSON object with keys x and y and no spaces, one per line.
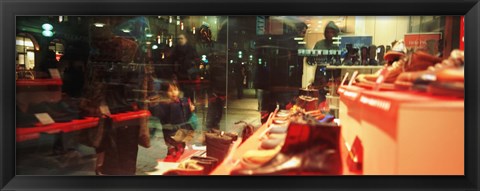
{"x":421,"y":79}
{"x":372,"y":55}
{"x":450,"y":82}
{"x":310,"y":148}
{"x":208,"y":163}
{"x":395,"y":53}
{"x":416,"y":61}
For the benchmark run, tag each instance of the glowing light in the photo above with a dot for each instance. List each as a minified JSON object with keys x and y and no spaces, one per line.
{"x":99,"y":25}
{"x":47,"y":27}
{"x":126,"y":30}
{"x":154,"y":47}
{"x":47,"y":33}
{"x":149,"y":35}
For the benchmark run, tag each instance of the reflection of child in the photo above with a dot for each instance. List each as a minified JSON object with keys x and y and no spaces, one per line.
{"x":174,"y":115}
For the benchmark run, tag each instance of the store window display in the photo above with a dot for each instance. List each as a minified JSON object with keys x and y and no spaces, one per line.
{"x":240,"y":95}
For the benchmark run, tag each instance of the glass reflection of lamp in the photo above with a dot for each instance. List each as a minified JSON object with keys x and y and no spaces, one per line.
{"x":47,"y":30}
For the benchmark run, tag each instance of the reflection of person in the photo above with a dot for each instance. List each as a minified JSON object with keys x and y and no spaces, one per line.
{"x":184,"y":58}
{"x":297,"y":61}
{"x":217,"y":95}
{"x":73,"y":70}
{"x":331,"y":30}
{"x":174,"y":115}
{"x":239,"y":78}
{"x":50,"y":62}
{"x":322,"y":76}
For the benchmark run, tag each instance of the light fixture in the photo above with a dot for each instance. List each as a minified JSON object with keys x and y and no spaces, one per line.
{"x":181,"y":26}
{"x":60,"y":19}
{"x":154,"y":47}
{"x":170,"y":43}
{"x":47,"y":30}
{"x":99,"y":25}
{"x":47,"y":27}
{"x":159,"y":40}
{"x":302,"y":42}
{"x":149,"y":35}
{"x":298,"y":38}
{"x":193,"y":30}
{"x":170,"y":19}
{"x":47,"y":33}
{"x":148,"y":42}
{"x":126,"y":30}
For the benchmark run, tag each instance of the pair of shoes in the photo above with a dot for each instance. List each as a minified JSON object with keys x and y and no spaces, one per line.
{"x":416,"y":61}
{"x":310,"y":148}
{"x":421,"y":79}
{"x":194,"y":166}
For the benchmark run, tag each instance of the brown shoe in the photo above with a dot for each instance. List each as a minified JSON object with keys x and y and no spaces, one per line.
{"x":407,"y":79}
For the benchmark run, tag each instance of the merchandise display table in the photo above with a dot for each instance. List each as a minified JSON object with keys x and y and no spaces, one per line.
{"x":28,"y":133}
{"x":404,"y":133}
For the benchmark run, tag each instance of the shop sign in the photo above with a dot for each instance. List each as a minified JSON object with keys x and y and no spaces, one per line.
{"x":422,"y":40}
{"x":261,"y":23}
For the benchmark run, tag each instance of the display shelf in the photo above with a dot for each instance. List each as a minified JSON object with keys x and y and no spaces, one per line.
{"x":39,"y":82}
{"x":29,"y":133}
{"x":130,"y":115}
{"x":353,"y":67}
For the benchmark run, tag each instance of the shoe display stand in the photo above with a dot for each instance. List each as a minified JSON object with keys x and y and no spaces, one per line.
{"x":333,"y":98}
{"x":29,"y":133}
{"x":404,"y":133}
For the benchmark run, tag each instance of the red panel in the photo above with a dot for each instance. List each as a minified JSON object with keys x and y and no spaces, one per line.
{"x":462,"y":33}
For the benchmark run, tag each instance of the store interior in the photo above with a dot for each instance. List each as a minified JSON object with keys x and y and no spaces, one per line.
{"x":239,"y":95}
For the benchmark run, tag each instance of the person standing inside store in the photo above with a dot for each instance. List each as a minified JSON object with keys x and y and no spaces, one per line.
{"x":184,"y":58}
{"x":322,"y":76}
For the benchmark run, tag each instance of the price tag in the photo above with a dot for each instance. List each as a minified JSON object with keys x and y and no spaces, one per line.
{"x":105,"y":110}
{"x":44,"y":118}
{"x":55,"y":73}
